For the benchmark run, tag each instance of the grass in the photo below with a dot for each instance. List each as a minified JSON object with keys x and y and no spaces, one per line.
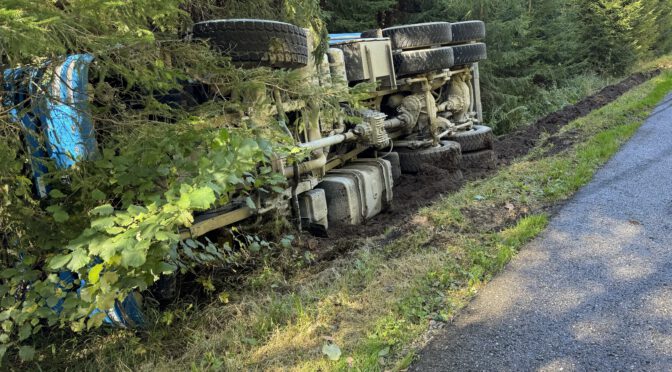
{"x":376,"y":302}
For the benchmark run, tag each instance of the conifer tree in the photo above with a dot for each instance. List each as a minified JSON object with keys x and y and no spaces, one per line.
{"x":606,"y":33}
{"x":355,"y":15}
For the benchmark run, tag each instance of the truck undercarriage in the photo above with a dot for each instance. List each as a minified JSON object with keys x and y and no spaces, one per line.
{"x":423,"y":107}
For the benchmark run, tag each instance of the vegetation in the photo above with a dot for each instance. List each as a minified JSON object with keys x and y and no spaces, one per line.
{"x":542,"y":54}
{"x":375,"y":303}
{"x":113,"y":219}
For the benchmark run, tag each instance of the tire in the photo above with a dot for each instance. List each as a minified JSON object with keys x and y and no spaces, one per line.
{"x":468,"y":31}
{"x":393,"y":158}
{"x":445,"y":156}
{"x":482,"y":159}
{"x":469,"y":53}
{"x":253,"y":42}
{"x":419,"y":35}
{"x":419,"y":61}
{"x":478,"y":138}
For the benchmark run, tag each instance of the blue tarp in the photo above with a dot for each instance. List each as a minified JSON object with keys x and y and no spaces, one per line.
{"x":338,"y":38}
{"x":51,"y":103}
{"x":52,"y":106}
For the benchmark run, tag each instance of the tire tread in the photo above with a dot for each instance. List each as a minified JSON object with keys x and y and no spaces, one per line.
{"x":260,"y":42}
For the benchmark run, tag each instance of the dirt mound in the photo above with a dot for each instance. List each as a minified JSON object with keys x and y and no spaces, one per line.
{"x":412,"y":192}
{"x":519,"y":143}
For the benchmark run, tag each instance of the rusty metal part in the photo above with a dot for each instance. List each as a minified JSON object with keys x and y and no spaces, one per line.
{"x":458,"y":99}
{"x":476,"y":81}
{"x":372,"y":131}
{"x":216,"y":222}
{"x":342,"y":159}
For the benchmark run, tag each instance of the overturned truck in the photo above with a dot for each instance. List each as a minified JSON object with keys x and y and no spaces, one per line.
{"x":424,"y":109}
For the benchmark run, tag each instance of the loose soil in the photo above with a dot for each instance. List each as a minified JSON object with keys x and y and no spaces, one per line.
{"x":412,"y":192}
{"x":516,"y":144}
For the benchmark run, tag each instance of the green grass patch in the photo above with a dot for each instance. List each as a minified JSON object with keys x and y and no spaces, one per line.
{"x":376,"y":302}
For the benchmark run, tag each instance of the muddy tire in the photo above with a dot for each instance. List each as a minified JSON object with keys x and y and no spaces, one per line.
{"x":468,"y":31}
{"x":445,"y":156}
{"x":457,"y":175}
{"x":479,"y":137}
{"x":393,"y":158}
{"x":483,"y":159}
{"x":419,"y":35}
{"x":420,"y":61}
{"x":469,"y":53}
{"x":253,"y":42}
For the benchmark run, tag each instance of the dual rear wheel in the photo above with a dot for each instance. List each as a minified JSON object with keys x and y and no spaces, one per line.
{"x":439,"y":41}
{"x":255,"y":43}
{"x":468,"y":149}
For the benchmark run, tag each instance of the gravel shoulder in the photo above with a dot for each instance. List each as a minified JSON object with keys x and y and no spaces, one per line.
{"x":594,"y":291}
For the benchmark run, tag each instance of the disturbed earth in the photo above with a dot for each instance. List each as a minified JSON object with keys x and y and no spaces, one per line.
{"x":412,"y":192}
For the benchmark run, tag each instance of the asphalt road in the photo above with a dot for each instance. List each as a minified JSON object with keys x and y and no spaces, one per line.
{"x":594,"y":291}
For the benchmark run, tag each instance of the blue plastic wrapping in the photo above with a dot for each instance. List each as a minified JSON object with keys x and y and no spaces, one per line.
{"x":52,"y":106}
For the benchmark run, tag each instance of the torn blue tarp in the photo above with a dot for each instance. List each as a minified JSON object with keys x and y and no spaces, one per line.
{"x":51,"y":104}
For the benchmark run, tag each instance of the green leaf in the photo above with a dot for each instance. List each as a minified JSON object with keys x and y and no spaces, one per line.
{"x":332,"y":351}
{"x":8,"y":273}
{"x":108,"y":248}
{"x":56,"y":194}
{"x":86,"y":294}
{"x":133,"y":256}
{"x":58,"y":213}
{"x":102,"y":223}
{"x":77,"y":326}
{"x":286,"y":242}
{"x":106,"y":300}
{"x":3,"y":351}
{"x":52,"y":301}
{"x":102,"y":210}
{"x":165,"y":235}
{"x":79,"y":259}
{"x":110,"y":277}
{"x":123,"y":219}
{"x":25,"y":331}
{"x":165,"y":268}
{"x":96,"y":320}
{"x":107,"y":280}
{"x":136,"y":210}
{"x":98,"y":195}
{"x":59,"y":261}
{"x":250,"y":203}
{"x":255,"y":247}
{"x":94,"y":273}
{"x":202,"y":198}
{"x":114,"y":230}
{"x":26,"y":353}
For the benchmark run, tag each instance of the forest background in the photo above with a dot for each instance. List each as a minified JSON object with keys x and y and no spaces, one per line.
{"x":150,"y":177}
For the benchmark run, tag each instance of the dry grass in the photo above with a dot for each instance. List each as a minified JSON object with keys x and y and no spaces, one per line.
{"x":376,"y":302}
